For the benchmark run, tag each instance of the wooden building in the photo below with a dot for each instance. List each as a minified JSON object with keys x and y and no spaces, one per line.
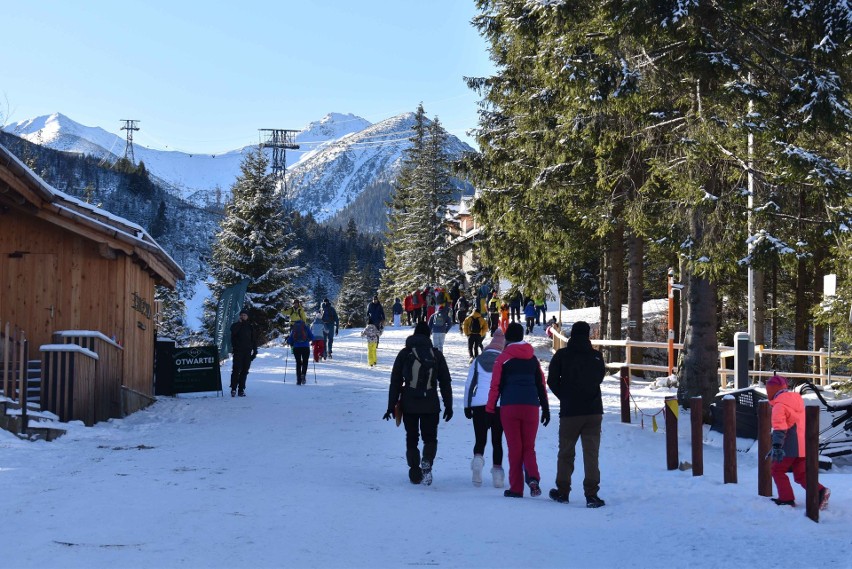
{"x":68,"y":266}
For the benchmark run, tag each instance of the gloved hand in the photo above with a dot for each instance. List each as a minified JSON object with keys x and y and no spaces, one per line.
{"x":545,"y":417}
{"x":448,"y":413}
{"x":777,"y":453}
{"x":253,"y":355}
{"x":388,"y":416}
{"x":468,"y":413}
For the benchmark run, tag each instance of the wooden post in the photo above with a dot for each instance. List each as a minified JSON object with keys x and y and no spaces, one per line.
{"x":812,"y":461}
{"x":729,"y":444}
{"x":671,"y":435}
{"x":625,"y":394}
{"x":6,"y":341}
{"x":696,"y":410}
{"x":764,"y":444}
{"x":670,"y":335}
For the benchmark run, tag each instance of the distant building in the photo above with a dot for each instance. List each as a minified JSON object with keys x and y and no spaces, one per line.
{"x":464,"y":231}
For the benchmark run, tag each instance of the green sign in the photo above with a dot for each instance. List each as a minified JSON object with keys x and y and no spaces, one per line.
{"x":196,"y":369}
{"x":227,"y":312}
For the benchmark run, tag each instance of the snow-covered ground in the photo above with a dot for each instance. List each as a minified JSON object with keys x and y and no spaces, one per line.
{"x":310,"y":476}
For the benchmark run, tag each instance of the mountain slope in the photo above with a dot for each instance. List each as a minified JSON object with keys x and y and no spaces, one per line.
{"x":332,"y":177}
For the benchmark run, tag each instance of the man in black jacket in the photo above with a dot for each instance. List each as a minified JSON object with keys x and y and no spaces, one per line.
{"x":418,"y":372}
{"x":575,"y":376}
{"x":244,"y":346}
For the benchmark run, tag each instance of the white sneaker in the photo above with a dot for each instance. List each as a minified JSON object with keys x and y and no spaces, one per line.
{"x":498,"y":475}
{"x":476,"y":466}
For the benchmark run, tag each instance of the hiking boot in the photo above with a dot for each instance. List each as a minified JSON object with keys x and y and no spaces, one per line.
{"x":510,"y":494}
{"x":242,"y":393}
{"x":594,"y":502}
{"x":499,"y":476}
{"x":426,"y":467}
{"x":415,"y":475}
{"x":535,"y":489}
{"x":233,"y":393}
{"x":476,"y":466}
{"x":778,"y":502}
{"x":557,"y":497}
{"x":823,"y":498}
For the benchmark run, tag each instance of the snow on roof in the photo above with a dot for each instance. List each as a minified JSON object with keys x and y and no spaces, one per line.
{"x":102,"y":219}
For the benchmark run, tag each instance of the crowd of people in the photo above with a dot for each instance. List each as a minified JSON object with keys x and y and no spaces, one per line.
{"x":505,"y":392}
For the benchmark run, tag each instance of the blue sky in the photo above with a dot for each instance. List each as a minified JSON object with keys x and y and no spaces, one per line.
{"x":205,"y":76}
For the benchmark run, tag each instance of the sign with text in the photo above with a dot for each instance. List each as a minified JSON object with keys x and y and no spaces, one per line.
{"x":196,"y":369}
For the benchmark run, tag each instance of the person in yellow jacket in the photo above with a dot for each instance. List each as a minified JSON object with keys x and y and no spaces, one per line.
{"x":296,"y":312}
{"x":474,"y":327}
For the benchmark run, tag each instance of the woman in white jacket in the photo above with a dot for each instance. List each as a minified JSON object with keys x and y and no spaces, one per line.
{"x":475,"y":397}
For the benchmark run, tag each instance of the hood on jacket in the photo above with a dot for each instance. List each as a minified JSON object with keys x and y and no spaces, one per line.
{"x":520,"y":350}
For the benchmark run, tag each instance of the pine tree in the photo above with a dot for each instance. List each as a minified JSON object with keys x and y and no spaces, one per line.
{"x":172,"y":315}
{"x":418,"y":235}
{"x":355,"y":294}
{"x":256,"y":242}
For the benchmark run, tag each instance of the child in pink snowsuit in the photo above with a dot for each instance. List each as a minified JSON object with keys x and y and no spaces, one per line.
{"x":518,"y":382}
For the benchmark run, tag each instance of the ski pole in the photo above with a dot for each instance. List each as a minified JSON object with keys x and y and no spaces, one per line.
{"x":286,"y":357}
{"x":315,"y":372}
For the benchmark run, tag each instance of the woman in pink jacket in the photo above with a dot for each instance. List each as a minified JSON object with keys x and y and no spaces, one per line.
{"x":788,"y":442}
{"x":518,"y":382}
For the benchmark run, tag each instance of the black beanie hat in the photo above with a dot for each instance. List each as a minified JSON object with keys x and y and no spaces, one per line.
{"x":423,"y":329}
{"x":514,"y":333}
{"x":580,"y":330}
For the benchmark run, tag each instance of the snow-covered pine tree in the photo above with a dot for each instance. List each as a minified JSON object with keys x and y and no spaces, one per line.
{"x":355,"y":294}
{"x":418,"y":235}
{"x":256,"y":242}
{"x":172,"y":315}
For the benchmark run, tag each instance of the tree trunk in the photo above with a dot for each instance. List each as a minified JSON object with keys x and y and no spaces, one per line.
{"x":800,"y":325}
{"x":616,"y":280}
{"x":635,"y":295}
{"x":759,"y":309}
{"x":604,"y":297}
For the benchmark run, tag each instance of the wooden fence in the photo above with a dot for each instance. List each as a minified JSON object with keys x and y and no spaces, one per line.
{"x":108,"y":372}
{"x":13,"y":363}
{"x":68,"y":382}
{"x":763,"y":357}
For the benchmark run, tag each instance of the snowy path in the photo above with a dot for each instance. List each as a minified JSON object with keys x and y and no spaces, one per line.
{"x":310,"y":476}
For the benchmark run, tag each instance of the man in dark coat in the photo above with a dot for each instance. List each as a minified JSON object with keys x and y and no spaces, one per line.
{"x":575,"y":376}
{"x":331,"y":326}
{"x":244,"y":346}
{"x":375,"y":313}
{"x":417,"y":391}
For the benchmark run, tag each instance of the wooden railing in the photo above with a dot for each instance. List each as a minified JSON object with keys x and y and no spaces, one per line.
{"x":68,"y":382}
{"x":13,"y":364}
{"x":820,"y":376}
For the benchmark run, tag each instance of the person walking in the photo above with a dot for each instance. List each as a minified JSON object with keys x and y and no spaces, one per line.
{"x":475,"y":398}
{"x":575,"y":376}
{"x":244,"y":346}
{"x":474,"y":328}
{"x":416,"y":307}
{"x":493,"y":312}
{"x":529,"y":313}
{"x":332,"y":327}
{"x":517,"y":383}
{"x":318,"y":332}
{"x":788,"y":442}
{"x":299,"y":340}
{"x":397,"y":313}
{"x":371,"y":333}
{"x":462,"y":305}
{"x":540,"y":309}
{"x":515,"y":305}
{"x":439,"y":325}
{"x":295,"y":312}
{"x":406,"y":304}
{"x":376,"y":313}
{"x":504,"y":317}
{"x":419,"y":372}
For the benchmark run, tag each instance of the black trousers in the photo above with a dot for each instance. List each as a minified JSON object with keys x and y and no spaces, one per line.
{"x":474,"y":345}
{"x":480,"y":432}
{"x":417,"y":426}
{"x":302,"y":356}
{"x":515,"y":313}
{"x":239,"y":372}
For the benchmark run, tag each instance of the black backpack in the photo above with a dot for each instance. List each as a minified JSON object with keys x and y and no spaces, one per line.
{"x":420,"y":372}
{"x":475,"y":326}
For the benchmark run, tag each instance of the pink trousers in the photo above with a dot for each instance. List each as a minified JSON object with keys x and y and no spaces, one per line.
{"x":520,"y":425}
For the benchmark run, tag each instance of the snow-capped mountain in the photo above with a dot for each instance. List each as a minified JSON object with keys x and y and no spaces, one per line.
{"x":334,"y":174}
{"x":339,"y":156}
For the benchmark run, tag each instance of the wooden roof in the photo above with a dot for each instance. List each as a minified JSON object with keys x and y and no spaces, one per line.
{"x":23,"y":189}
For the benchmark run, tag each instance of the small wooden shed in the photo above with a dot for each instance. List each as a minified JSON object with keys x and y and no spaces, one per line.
{"x":68,"y":266}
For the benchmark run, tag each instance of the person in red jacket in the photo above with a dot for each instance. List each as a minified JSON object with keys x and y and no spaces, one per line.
{"x":788,"y":442}
{"x":518,"y":382}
